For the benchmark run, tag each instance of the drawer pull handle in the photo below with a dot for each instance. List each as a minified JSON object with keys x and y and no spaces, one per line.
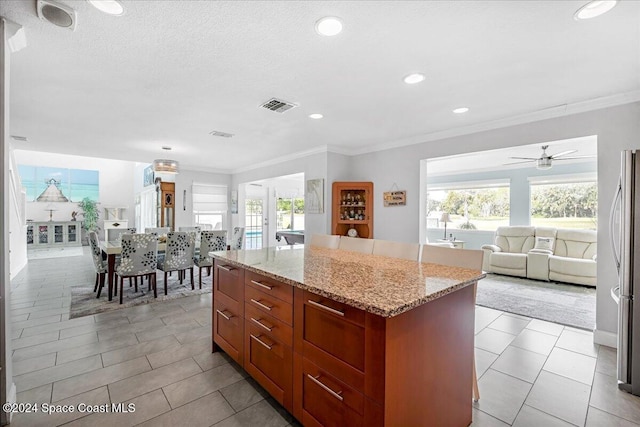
{"x":223,"y":315}
{"x":266,"y":307}
{"x":222,"y":267}
{"x":335,"y":394}
{"x":261,"y":342}
{"x":262,"y":324}
{"x":329,"y":309}
{"x":262,"y":285}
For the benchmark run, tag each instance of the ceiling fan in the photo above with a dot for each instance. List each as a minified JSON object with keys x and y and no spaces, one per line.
{"x":545,"y":160}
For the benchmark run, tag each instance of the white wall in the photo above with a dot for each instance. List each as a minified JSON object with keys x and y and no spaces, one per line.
{"x":617,"y":128}
{"x":313,"y":166}
{"x":116,"y":183}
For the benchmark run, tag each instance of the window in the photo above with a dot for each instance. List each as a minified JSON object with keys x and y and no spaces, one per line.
{"x":210,"y":206}
{"x":565,"y":204}
{"x":290,"y":213}
{"x":477,"y":206}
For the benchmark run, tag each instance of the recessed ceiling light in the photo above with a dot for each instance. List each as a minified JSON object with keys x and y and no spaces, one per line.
{"x":316,"y":116}
{"x":329,"y":26}
{"x":461,"y":110}
{"x":413,"y":78}
{"x":110,"y":7}
{"x":594,"y":8}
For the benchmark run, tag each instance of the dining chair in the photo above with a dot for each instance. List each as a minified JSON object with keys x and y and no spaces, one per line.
{"x":210,"y":241}
{"x":356,"y":244}
{"x":117,"y":233}
{"x":138,"y":259}
{"x":237,"y":238}
{"x":178,"y":256}
{"x":325,"y":241}
{"x":197,"y":230}
{"x":465,"y":258}
{"x":392,"y":249}
{"x":99,"y":263}
{"x":160,"y":231}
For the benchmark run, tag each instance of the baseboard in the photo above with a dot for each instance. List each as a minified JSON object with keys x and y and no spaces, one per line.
{"x":608,"y":339}
{"x":11,"y":398}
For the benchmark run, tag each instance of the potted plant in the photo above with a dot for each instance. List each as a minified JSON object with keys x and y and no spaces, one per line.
{"x":90,"y":214}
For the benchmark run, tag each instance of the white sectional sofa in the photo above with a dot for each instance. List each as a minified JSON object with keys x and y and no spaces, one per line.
{"x":543,"y":253}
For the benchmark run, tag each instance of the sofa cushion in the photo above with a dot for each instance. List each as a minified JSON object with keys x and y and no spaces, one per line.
{"x":515,"y":239}
{"x":507,"y":260}
{"x":576,"y":243}
{"x":573,"y":266}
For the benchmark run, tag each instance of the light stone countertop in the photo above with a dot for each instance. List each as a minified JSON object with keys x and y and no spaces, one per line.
{"x":380,"y":285}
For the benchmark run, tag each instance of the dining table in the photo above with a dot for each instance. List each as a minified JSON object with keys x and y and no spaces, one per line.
{"x":112,"y":249}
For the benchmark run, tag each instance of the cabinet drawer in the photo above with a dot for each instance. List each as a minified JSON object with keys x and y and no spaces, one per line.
{"x":270,"y":363}
{"x":269,"y":286}
{"x":229,"y":280}
{"x":270,"y":305}
{"x":327,"y":401}
{"x":333,"y":334}
{"x":268,"y":324}
{"x":228,"y":329}
{"x":341,"y":311}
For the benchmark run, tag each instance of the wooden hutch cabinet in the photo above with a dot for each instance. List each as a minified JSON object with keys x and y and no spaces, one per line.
{"x":352,"y":208}
{"x":166,"y":204}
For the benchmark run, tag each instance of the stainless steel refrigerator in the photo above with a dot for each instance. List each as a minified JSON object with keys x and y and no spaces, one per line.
{"x":625,"y":237}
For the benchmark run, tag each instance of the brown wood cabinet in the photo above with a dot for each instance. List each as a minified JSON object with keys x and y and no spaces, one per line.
{"x":166,"y":204}
{"x":331,"y":364}
{"x":228,"y":310}
{"x":352,"y":208}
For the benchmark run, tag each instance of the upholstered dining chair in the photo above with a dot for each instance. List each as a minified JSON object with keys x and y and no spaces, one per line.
{"x":210,"y":241}
{"x":138,"y":259}
{"x":99,"y":263}
{"x":355,"y":244}
{"x":178,"y":256}
{"x":237,"y":238}
{"x":465,"y":258}
{"x":392,"y":249}
{"x":325,"y":241}
{"x":160,"y":231}
{"x":117,"y":234}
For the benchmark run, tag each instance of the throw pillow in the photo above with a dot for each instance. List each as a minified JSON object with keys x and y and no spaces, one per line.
{"x":545,"y":243}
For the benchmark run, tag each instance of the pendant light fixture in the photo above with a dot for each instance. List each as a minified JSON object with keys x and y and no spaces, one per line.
{"x":165,"y":166}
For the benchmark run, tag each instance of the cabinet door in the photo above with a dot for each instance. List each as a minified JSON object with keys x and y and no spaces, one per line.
{"x":327,"y":401}
{"x":269,"y":362}
{"x":332,"y":335}
{"x":228,"y":280}
{"x":269,"y":305}
{"x":228,"y":328}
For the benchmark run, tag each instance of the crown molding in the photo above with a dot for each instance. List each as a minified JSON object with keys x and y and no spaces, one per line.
{"x":545,"y":114}
{"x":282,"y":159}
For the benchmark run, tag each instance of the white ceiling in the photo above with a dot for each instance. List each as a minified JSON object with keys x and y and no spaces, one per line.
{"x":170,"y":72}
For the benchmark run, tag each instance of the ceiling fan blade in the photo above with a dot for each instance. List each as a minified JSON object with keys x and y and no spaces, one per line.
{"x":525,"y":158}
{"x":592,"y":156}
{"x":517,"y":163}
{"x":563,"y":153}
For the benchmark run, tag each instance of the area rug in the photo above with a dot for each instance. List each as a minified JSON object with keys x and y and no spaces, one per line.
{"x":566,"y":304}
{"x":85,"y":303}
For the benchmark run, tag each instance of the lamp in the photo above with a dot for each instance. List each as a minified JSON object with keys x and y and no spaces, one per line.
{"x":165,"y":166}
{"x":445,"y":218}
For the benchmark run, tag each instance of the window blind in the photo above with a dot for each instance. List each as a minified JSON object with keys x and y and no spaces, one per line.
{"x":209,"y":198}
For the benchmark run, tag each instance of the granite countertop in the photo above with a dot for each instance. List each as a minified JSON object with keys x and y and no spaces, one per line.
{"x":380,"y":285}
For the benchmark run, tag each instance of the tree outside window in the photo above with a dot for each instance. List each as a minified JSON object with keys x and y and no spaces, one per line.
{"x":565,"y":205}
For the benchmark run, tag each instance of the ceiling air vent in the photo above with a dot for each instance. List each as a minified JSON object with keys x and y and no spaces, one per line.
{"x":19,"y":138}
{"x":58,"y":14}
{"x":222,"y":134}
{"x":278,"y":105}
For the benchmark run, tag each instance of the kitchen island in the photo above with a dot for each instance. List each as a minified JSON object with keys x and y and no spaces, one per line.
{"x":342,"y":338}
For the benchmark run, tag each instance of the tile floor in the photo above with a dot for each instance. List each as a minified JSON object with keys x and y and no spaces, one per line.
{"x":157,"y":356}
